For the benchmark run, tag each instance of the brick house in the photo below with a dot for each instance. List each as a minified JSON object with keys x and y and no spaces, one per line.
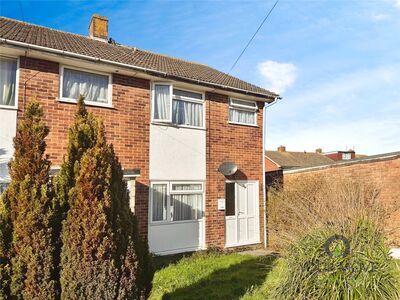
{"x":276,"y":162}
{"x":172,"y":124}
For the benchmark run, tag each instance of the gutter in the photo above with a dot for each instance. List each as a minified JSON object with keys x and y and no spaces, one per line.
{"x":136,"y":68}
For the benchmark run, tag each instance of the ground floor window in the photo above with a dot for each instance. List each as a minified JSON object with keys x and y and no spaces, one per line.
{"x":176,"y":201}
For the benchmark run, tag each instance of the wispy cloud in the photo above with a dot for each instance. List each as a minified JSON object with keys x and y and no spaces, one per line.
{"x":277,"y":76}
{"x":380,"y":17}
{"x":341,"y":88}
{"x":397,"y":3}
{"x":357,"y":109}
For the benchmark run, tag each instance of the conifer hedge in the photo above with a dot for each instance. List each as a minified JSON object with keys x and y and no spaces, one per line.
{"x":27,"y":250}
{"x":76,"y":238}
{"x":102,"y":255}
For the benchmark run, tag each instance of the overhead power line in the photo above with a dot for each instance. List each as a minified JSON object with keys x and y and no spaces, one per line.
{"x":21,"y":10}
{"x":255,"y":33}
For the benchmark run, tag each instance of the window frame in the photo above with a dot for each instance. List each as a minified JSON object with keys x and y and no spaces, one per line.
{"x":346,"y":156}
{"x":153,"y":99}
{"x":151,"y":202}
{"x":240,"y":107}
{"x":90,"y":103}
{"x":169,"y":220}
{"x":178,"y":98}
{"x":15,"y":106}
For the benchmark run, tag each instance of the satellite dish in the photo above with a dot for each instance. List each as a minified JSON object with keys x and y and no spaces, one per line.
{"x":227,"y":168}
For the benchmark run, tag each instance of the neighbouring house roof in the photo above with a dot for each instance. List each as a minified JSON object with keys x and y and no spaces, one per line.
{"x":342,"y":163}
{"x":173,"y":68}
{"x":289,"y":159}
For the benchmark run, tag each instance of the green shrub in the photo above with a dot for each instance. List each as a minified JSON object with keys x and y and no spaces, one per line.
{"x":313,"y":201}
{"x":102,"y":255}
{"x":27,"y":249}
{"x":366,"y":272}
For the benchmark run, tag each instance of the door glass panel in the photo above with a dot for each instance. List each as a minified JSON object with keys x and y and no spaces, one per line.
{"x":242,"y":199}
{"x":230,"y":199}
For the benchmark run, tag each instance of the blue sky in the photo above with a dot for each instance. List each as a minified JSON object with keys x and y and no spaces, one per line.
{"x":335,"y":63}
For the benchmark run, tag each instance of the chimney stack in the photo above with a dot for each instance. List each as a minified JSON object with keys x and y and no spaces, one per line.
{"x":98,"y":28}
{"x":318,"y":150}
{"x":282,"y":148}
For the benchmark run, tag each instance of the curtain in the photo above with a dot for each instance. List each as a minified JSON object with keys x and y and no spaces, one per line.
{"x":93,"y":87}
{"x":187,"y":187}
{"x":187,"y":207}
{"x":159,"y":202}
{"x":161,"y":102}
{"x":8,"y":77}
{"x":241,"y":116}
{"x":187,"y":113}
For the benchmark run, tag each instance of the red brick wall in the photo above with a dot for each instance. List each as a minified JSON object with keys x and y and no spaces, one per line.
{"x":227,"y":142}
{"x":385,"y":174}
{"x":127,"y":128}
{"x":339,"y":155}
{"x":270,"y":166}
{"x":127,"y":123}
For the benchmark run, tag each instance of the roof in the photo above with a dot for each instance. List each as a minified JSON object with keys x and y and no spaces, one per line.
{"x":288,"y":159}
{"x":17,"y":31}
{"x":342,"y":163}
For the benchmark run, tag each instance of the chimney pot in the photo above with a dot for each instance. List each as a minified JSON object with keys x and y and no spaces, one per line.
{"x":318,"y":150}
{"x":282,"y":148}
{"x":98,"y":28}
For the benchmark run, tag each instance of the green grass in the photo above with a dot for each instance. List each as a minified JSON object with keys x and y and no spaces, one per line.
{"x":210,"y":276}
{"x":218,"y":276}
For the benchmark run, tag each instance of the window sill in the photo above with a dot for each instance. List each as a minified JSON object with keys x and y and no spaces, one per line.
{"x":177,"y":126}
{"x":9,"y":107}
{"x":160,"y":223}
{"x":242,"y":124}
{"x":103,"y":105}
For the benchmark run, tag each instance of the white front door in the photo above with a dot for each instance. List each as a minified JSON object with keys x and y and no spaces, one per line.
{"x":241,"y":213}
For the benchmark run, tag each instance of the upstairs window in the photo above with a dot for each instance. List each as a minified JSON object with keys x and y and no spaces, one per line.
{"x":242,"y":112}
{"x":95,"y":87}
{"x":178,"y":107}
{"x":162,"y":103}
{"x":8,"y":82}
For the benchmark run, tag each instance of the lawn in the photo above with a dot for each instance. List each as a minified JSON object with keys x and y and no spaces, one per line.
{"x":217,"y":276}
{"x":210,"y":276}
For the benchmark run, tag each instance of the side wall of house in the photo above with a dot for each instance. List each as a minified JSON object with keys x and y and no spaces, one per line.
{"x":385,"y":174}
{"x":227,"y":142}
{"x":127,"y":123}
{"x":270,"y":166}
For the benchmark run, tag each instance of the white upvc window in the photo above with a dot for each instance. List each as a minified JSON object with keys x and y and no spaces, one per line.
{"x":177,"y":106}
{"x":242,"y":112}
{"x":346,"y":156}
{"x":94,"y":86}
{"x":162,"y":102}
{"x":8,"y":82}
{"x":176,"y":201}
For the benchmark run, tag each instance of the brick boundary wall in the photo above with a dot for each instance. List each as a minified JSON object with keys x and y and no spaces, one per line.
{"x":383,"y":171}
